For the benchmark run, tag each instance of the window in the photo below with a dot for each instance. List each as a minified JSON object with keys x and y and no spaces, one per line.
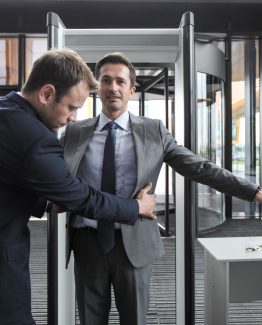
{"x":8,"y":61}
{"x":245,"y":119}
{"x":35,"y":47}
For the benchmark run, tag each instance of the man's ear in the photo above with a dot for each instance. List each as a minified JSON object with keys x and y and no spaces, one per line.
{"x":47,"y":93}
{"x":132,"y":91}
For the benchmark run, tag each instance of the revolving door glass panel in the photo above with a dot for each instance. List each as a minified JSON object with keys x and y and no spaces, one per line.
{"x":210,"y":145}
{"x":246,"y":121}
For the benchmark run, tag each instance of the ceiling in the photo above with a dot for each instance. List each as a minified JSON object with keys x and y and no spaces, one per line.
{"x":25,"y":16}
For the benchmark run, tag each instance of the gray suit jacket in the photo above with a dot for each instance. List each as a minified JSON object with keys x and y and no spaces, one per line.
{"x":154,"y":145}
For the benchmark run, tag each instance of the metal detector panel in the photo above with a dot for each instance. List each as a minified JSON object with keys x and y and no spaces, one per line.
{"x":141,"y":46}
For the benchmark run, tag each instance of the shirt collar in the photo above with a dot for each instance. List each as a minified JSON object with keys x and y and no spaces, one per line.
{"x":122,"y":121}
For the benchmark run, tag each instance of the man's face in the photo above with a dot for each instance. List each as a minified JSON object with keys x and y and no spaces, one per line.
{"x":57,"y":114}
{"x":115,"y":88}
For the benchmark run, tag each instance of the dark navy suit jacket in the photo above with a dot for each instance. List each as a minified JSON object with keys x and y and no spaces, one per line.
{"x":32,"y":166}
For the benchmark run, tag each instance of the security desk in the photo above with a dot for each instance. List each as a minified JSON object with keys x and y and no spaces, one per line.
{"x":231,"y":274}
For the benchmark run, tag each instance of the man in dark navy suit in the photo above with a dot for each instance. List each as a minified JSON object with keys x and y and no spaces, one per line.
{"x":32,"y":167}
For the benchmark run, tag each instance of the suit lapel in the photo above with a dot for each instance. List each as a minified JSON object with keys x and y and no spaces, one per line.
{"x":86,"y":132}
{"x":139,"y":134}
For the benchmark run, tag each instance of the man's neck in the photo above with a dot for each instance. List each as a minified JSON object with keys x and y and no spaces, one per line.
{"x":30,"y":97}
{"x":113,"y":115}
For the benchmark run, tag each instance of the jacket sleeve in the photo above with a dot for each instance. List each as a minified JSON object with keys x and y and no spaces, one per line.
{"x":203,"y":171}
{"x":39,"y":208}
{"x":44,"y":172}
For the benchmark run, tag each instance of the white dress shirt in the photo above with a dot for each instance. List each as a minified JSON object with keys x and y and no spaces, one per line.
{"x":126,"y":166}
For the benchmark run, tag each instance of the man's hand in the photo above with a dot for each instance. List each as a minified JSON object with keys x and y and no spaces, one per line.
{"x":258,"y":196}
{"x":53,"y":208}
{"x":146,"y":202}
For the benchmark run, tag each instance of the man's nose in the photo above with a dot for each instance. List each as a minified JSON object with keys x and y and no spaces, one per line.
{"x":72,"y":117}
{"x":113,"y":86}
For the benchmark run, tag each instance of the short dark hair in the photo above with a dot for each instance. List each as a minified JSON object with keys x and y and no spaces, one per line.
{"x":116,"y":58}
{"x":61,"y":68}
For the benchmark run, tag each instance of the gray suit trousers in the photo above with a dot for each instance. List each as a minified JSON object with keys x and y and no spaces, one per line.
{"x":94,"y":273}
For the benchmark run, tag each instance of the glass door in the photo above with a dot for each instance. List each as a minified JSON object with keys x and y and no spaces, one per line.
{"x":246,"y":120}
{"x":156,"y":102}
{"x":210,"y":145}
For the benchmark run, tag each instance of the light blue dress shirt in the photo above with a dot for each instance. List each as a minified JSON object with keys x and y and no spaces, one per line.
{"x":126,"y":166}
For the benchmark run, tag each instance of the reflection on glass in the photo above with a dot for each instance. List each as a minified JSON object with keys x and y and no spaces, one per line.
{"x":210,"y":116}
{"x":245,"y":120}
{"x":35,"y":47}
{"x":8,"y":61}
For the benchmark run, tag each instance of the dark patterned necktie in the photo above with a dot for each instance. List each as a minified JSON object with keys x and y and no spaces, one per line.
{"x":105,"y":229}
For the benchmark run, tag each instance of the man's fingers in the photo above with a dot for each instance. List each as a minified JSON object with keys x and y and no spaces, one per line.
{"x":153,"y":216}
{"x":143,"y":190}
{"x":147,"y":187}
{"x":150,"y":216}
{"x":147,"y":202}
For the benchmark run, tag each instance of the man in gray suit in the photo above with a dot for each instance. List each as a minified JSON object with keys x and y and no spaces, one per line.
{"x":142,"y":145}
